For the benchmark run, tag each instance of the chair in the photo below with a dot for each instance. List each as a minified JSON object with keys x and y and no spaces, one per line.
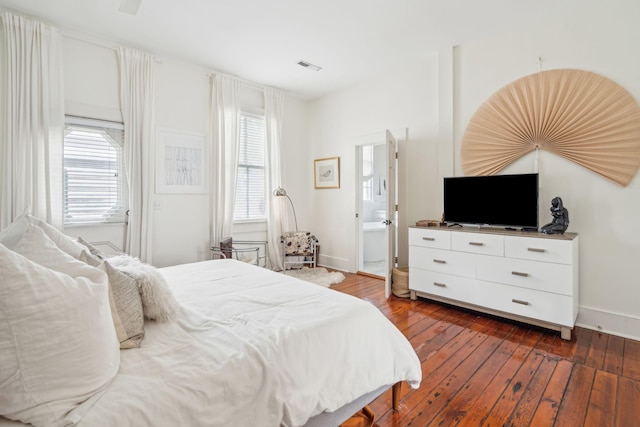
{"x":301,"y":246}
{"x":243,"y":250}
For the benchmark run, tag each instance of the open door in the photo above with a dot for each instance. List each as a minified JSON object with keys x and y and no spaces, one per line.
{"x":391,"y":220}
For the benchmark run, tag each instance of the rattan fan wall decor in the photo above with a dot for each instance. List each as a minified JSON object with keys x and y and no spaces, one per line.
{"x":576,"y":114}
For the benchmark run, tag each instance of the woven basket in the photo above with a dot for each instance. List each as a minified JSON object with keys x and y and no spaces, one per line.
{"x":400,"y":282}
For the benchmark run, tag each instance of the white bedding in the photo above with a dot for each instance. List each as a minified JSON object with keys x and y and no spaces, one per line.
{"x":251,"y":347}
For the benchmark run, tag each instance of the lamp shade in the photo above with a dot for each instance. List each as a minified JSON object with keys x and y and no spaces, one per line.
{"x":281,"y":192}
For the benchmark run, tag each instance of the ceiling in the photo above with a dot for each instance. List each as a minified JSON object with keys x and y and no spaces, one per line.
{"x":262,"y":40}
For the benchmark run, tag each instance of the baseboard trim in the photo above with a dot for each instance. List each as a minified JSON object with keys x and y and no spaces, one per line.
{"x":611,"y":323}
{"x":364,"y":273}
{"x":334,"y":263}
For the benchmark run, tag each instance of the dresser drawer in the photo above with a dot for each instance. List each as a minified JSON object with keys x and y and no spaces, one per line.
{"x":556,"y":278}
{"x":538,"y":305}
{"x":537,"y":249}
{"x":443,"y":261}
{"x":444,"y":285}
{"x":477,"y":243}
{"x":430,"y":238}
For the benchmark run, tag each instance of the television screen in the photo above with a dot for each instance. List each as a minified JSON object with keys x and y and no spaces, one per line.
{"x":498,"y":200}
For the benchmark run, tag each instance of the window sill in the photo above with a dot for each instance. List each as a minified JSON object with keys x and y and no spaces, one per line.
{"x":93,"y":224}
{"x":250,"y":221}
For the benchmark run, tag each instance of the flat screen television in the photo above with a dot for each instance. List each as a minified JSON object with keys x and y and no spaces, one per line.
{"x":496,"y":200}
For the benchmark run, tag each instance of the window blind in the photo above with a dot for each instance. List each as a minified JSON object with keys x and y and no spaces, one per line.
{"x":250,"y":181}
{"x":94,"y":188}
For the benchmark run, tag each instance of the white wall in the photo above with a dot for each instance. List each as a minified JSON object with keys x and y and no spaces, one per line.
{"x":435,"y":100}
{"x":603,"y":38}
{"x":406,"y":98}
{"x":297,"y":178}
{"x":181,"y":221}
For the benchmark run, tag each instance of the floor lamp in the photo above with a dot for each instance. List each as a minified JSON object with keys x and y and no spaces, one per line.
{"x":281,"y":192}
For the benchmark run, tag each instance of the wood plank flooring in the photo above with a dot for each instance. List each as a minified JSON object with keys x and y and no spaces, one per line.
{"x":479,"y":370}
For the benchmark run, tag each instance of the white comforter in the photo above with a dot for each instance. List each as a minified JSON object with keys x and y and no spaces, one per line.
{"x":252,"y":348}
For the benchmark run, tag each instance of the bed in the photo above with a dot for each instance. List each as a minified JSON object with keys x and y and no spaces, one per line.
{"x":247,"y":347}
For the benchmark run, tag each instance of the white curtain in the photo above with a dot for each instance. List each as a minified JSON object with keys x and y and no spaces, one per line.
{"x":32,"y":121}
{"x":273,"y":111}
{"x":136,"y":103}
{"x":225,"y":132}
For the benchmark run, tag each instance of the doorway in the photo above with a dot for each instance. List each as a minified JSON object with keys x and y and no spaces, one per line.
{"x":376,"y":205}
{"x":373,"y":209}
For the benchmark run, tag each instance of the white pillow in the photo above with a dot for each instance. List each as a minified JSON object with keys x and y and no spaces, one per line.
{"x":39,"y":248}
{"x":57,"y":340}
{"x":126,"y":308}
{"x":13,"y":233}
{"x":158,"y":302}
{"x":124,"y":298}
{"x":92,"y":249}
{"x":62,"y":241}
{"x":126,"y":305}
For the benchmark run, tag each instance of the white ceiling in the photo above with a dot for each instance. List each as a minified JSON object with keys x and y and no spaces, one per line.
{"x":262,"y":40}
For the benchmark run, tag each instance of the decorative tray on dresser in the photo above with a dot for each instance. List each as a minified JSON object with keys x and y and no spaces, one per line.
{"x":524,"y":276}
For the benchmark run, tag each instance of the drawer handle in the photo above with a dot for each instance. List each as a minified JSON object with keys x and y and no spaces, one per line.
{"x":440,"y":285}
{"x":536,"y":250}
{"x":517,"y":273}
{"x":430,"y":239}
{"x":440,"y":261}
{"x":519,"y":301}
{"x":476,"y":243}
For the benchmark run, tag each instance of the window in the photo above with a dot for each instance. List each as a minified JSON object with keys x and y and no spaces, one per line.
{"x":250,"y":181}
{"x":94,"y":188}
{"x":367,"y":172}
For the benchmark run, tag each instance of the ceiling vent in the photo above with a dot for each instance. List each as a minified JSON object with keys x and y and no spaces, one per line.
{"x":308,"y":65}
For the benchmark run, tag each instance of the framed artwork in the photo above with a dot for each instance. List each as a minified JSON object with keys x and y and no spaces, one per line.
{"x":180,"y":162}
{"x":327,"y":172}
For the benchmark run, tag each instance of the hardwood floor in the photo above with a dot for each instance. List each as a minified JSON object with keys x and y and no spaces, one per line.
{"x":484,"y":371}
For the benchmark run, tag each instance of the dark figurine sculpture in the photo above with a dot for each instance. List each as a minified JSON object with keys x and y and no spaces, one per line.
{"x":560,"y":218}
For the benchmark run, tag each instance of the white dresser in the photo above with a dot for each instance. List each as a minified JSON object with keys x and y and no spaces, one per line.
{"x":529,"y":277}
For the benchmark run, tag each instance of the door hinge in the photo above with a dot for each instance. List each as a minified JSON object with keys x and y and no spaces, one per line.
{"x":396,"y":208}
{"x":396,"y":154}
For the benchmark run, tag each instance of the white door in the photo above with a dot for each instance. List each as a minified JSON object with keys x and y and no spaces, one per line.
{"x":392,"y":148}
